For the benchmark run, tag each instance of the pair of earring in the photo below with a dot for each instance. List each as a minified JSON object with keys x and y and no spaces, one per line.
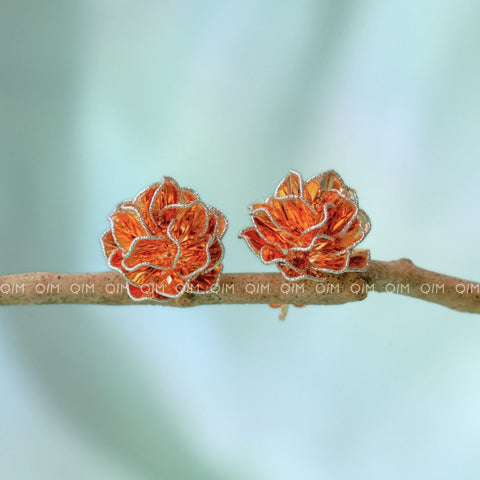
{"x":167,"y":241}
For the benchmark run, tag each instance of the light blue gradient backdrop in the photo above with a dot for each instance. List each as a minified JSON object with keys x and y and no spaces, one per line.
{"x":100,"y":98}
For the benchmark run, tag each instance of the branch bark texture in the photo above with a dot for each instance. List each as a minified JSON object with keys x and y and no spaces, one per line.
{"x":109,"y":288}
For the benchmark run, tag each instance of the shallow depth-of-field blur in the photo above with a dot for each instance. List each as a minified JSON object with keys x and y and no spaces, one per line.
{"x":99,"y":99}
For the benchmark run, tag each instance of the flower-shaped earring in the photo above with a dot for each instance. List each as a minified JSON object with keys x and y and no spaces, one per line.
{"x":310,"y":228}
{"x":166,"y":242}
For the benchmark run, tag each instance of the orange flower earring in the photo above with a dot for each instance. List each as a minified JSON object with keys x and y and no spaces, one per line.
{"x":166,"y":242}
{"x":310,"y":228}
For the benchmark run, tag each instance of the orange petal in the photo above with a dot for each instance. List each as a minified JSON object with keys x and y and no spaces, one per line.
{"x":189,"y":222}
{"x":309,"y":235}
{"x":187,"y":195}
{"x":331,"y":180}
{"x":359,"y":260}
{"x":293,"y":215}
{"x":164,"y":217}
{"x":253,"y":238}
{"x":216,"y":221}
{"x":158,"y":251}
{"x":138,"y":293}
{"x":352,"y":236}
{"x":193,"y":256}
{"x":108,"y":242}
{"x":126,"y":226}
{"x":115,"y":260}
{"x":333,"y":246}
{"x":270,"y":253}
{"x":314,"y":187}
{"x":170,"y":285}
{"x":222,"y":223}
{"x":165,"y":283}
{"x":215,"y":251}
{"x":271,"y":231}
{"x":365,"y":221}
{"x":168,"y":193}
{"x":290,"y":185}
{"x":325,"y":246}
{"x":289,"y":273}
{"x":298,"y":259}
{"x":206,"y":281}
{"x":338,"y":215}
{"x":335,"y":263}
{"x":143,"y":201}
{"x":144,"y":275}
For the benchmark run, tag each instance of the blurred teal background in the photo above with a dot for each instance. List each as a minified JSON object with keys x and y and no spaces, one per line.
{"x":99,"y":99}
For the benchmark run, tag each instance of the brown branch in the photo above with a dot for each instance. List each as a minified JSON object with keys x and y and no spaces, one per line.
{"x":398,"y":276}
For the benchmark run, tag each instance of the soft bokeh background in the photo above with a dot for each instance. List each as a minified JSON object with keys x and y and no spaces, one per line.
{"x":101,"y":98}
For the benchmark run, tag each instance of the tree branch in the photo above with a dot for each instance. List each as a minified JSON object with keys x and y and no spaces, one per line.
{"x":109,"y":288}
